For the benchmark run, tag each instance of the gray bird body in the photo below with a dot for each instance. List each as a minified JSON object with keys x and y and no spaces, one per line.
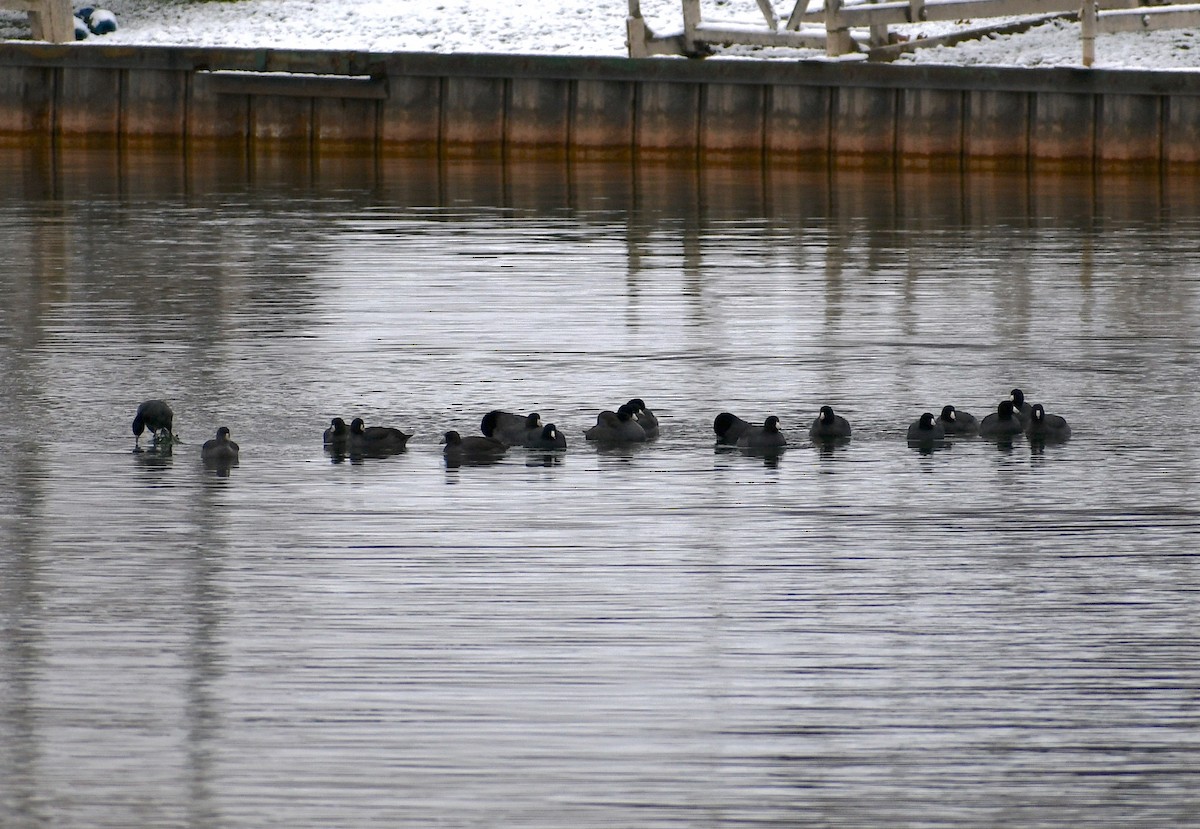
{"x":338,"y":433}
{"x":644,"y":417}
{"x":766,"y":436}
{"x":616,"y":427}
{"x":551,"y":437}
{"x":1046,"y":427}
{"x":1002,"y":423}
{"x":378,"y":439}
{"x":926,"y":430}
{"x":220,"y":449}
{"x":1021,"y":406}
{"x":956,"y":422}
{"x":511,"y":429}
{"x":472,"y":449}
{"x":829,"y":426}
{"x":729,"y":427}
{"x":155,"y":415}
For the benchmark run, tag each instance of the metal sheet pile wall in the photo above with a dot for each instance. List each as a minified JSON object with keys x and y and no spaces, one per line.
{"x":715,"y":111}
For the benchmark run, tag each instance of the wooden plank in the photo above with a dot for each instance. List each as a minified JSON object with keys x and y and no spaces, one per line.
{"x":214,"y":119}
{"x":473,"y":116}
{"x":299,"y":85}
{"x":667,"y":119}
{"x":996,"y":130}
{"x":282,"y":120}
{"x":894,"y":50}
{"x":89,"y":105}
{"x":155,"y":105}
{"x":1128,"y":130}
{"x":602,"y":119}
{"x":864,"y":126}
{"x":410,"y":119}
{"x":751,"y":36}
{"x":346,"y":124}
{"x":26,"y":101}
{"x":538,"y":120}
{"x":731,"y":122}
{"x":797,"y":124}
{"x":1063,"y":129}
{"x":929,"y":131}
{"x":1149,"y":19}
{"x":1181,"y":139}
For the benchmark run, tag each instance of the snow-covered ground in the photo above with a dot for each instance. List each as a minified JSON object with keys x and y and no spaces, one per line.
{"x":562,"y":27}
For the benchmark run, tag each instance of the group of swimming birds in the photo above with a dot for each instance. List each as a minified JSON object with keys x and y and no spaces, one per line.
{"x":158,"y":417}
{"x":630,"y":423}
{"x":1013,"y":416}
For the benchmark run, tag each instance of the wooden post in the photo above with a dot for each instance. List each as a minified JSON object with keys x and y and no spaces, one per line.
{"x":50,"y":20}
{"x":635,"y":31}
{"x":1087,"y":31}
{"x":691,"y":19}
{"x":877,"y":35}
{"x":837,"y":36}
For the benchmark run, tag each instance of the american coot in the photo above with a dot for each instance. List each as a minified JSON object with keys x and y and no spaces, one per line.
{"x":1046,"y":427}
{"x":1020,"y":405}
{"x":926,"y":430}
{"x":729,"y":427}
{"x":337,"y":434}
{"x":1002,"y":423}
{"x":829,"y":426}
{"x":220,"y":449}
{"x":644,"y":417}
{"x":473,"y":449}
{"x":156,"y":416}
{"x":375,"y":439}
{"x":766,"y":436}
{"x":956,"y":422}
{"x":549,"y":438}
{"x":616,"y":427}
{"x":511,"y":429}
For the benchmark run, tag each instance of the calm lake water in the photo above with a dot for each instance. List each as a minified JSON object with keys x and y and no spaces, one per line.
{"x":669,"y":636}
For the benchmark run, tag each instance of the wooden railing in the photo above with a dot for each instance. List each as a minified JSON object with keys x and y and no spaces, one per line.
{"x":842,"y":28}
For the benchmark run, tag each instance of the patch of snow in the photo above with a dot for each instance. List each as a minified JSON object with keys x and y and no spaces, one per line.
{"x":567,"y":27}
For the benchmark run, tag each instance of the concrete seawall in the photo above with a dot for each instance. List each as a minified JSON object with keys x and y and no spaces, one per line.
{"x":847,"y":114}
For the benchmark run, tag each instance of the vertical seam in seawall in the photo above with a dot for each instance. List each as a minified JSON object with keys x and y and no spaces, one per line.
{"x":635,"y":119}
{"x":764,"y":101}
{"x":1164,"y":126}
{"x":897,"y":106}
{"x":569,"y":131}
{"x":831,"y":93}
{"x":440,"y":138}
{"x":964,"y":104}
{"x":56,"y":84}
{"x":250,"y":129}
{"x":505,"y":105}
{"x":185,"y":128}
{"x":1030,"y":115}
{"x":122,"y":82}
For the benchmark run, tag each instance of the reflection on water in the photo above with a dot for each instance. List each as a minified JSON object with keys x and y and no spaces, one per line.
{"x":860,"y":634}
